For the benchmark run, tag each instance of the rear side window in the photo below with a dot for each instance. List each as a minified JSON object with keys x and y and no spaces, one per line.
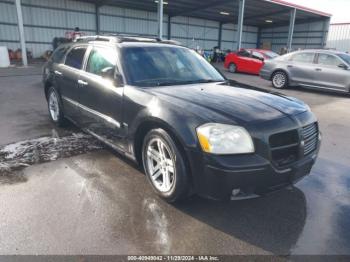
{"x":307,"y":58}
{"x":100,"y":59}
{"x":57,"y":56}
{"x":75,"y":57}
{"x":328,"y":60}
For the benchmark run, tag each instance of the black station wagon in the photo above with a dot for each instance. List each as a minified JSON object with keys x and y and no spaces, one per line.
{"x":167,"y":108}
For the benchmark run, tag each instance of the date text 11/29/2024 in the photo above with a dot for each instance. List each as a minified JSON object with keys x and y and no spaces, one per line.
{"x":174,"y":258}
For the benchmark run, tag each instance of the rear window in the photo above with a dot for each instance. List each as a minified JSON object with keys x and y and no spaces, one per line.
{"x":75,"y":57}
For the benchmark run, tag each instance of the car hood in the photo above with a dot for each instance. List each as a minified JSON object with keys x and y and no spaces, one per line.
{"x":239,"y":104}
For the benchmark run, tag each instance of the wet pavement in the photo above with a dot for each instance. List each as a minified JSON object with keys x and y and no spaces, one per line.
{"x":101,"y":203}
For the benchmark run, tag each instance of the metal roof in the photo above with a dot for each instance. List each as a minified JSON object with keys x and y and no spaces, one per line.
{"x":256,"y":11}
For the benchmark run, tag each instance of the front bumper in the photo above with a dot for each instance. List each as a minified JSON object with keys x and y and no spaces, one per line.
{"x":265,"y":74}
{"x":251,"y":174}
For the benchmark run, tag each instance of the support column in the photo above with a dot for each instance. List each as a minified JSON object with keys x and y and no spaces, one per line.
{"x":97,"y":19}
{"x":169,"y":27}
{"x":160,"y":19}
{"x":240,"y":24}
{"x":220,"y":35}
{"x":325,"y":32}
{"x":258,"y":40}
{"x":21,"y":32}
{"x":291,"y":29}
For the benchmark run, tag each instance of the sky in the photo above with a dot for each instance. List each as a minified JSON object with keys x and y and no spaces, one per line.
{"x":338,"y":8}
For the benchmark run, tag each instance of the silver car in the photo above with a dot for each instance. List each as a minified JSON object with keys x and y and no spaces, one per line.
{"x":325,"y":69}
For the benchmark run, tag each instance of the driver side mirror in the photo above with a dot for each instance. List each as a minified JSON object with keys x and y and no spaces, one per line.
{"x":343,"y":66}
{"x":118,"y":79}
{"x":111,"y":74}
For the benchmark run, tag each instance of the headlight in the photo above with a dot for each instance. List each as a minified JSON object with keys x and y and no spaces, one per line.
{"x":224,"y":139}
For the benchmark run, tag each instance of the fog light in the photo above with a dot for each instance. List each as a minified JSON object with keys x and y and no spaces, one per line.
{"x":236,"y":191}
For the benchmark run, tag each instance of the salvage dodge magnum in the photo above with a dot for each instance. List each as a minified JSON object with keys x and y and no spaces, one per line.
{"x":165,"y":107}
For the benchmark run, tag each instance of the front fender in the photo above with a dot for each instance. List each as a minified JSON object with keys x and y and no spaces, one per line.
{"x":176,"y":121}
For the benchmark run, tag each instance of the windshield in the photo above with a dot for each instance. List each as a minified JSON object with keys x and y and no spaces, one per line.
{"x":345,"y":57}
{"x":166,"y":65}
{"x":270,"y":54}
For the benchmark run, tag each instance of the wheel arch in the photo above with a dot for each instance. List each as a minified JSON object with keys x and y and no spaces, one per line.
{"x":153,"y":123}
{"x":47,"y":85}
{"x":50,"y":82}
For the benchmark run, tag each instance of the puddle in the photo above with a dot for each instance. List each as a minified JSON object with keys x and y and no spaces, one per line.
{"x":21,"y":154}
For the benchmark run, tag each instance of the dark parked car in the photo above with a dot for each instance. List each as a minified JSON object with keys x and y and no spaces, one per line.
{"x":323,"y":69}
{"x":165,"y":107}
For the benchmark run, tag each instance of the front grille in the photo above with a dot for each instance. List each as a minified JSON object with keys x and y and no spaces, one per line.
{"x":284,"y":147}
{"x":310,"y":138}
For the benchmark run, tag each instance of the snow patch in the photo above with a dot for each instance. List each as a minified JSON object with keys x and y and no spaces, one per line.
{"x":25,"y":153}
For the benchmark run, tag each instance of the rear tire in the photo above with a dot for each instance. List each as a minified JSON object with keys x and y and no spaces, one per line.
{"x":164,"y":166}
{"x":55,"y":107}
{"x":232,"y":68}
{"x":279,"y":80}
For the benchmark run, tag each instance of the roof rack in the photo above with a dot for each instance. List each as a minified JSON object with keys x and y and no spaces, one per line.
{"x":94,"y":38}
{"x":120,"y":38}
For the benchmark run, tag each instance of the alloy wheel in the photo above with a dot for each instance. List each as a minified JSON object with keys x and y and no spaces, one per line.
{"x":54,"y":106}
{"x":160,"y":165}
{"x":279,"y":80}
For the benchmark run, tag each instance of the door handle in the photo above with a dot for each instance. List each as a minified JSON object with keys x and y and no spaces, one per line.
{"x":82,"y":82}
{"x":289,"y":66}
{"x":318,"y":69}
{"x":57,"y":73}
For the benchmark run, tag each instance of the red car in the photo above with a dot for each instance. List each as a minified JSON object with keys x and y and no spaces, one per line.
{"x":247,"y":60}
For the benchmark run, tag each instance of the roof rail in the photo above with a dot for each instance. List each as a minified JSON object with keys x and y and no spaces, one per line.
{"x":94,"y":38}
{"x":119,"y":38}
{"x":172,"y":42}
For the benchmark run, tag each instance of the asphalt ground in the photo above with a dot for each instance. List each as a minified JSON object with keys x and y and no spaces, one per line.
{"x":94,"y":201}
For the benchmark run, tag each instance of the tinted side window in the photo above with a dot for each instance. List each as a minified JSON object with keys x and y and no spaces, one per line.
{"x":329,"y":60}
{"x":75,"y":57}
{"x":99,"y":59}
{"x":303,"y":58}
{"x":58,"y":55}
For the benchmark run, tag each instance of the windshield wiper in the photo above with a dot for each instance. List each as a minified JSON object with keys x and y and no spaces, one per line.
{"x":169,"y":82}
{"x":180,"y":82}
{"x":209,"y":80}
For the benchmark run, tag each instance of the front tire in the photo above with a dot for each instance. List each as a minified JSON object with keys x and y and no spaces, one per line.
{"x":165,"y":166}
{"x":279,"y":80}
{"x":55,"y":107}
